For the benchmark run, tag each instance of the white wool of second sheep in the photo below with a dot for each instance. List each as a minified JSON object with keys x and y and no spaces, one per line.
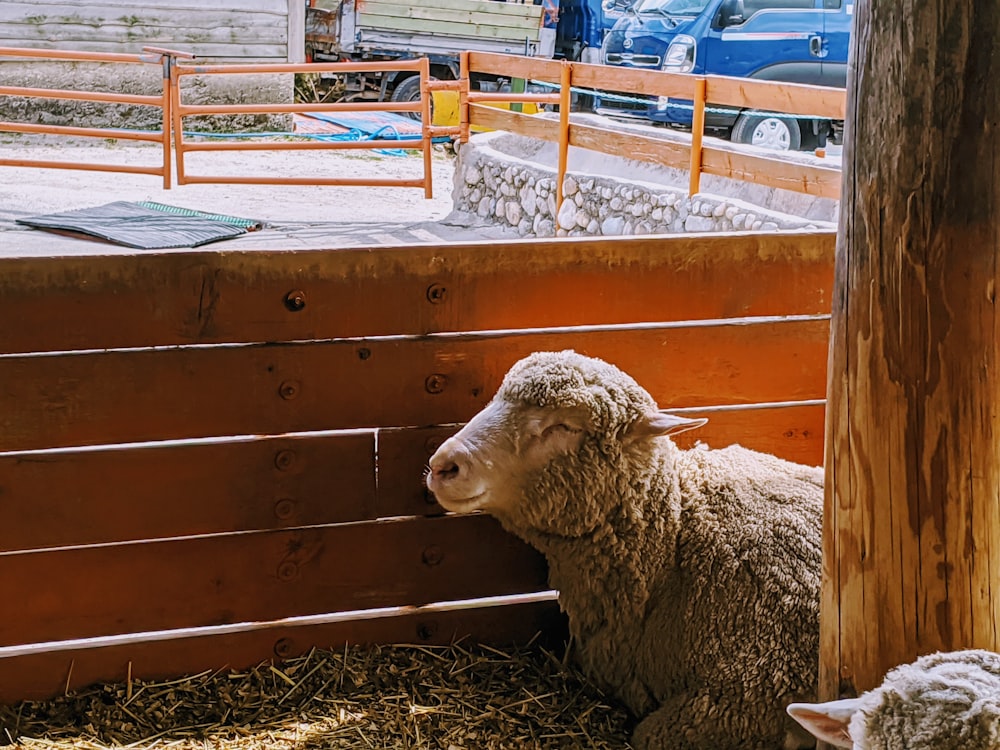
{"x":942,"y":701}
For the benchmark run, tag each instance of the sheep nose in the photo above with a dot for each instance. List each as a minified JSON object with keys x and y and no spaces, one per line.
{"x":447,"y":462}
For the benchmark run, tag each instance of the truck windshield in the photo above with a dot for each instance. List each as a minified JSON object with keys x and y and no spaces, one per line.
{"x":671,"y":7}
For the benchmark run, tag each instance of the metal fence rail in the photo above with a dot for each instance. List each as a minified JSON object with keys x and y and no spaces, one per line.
{"x":149,"y":56}
{"x":184,"y":145}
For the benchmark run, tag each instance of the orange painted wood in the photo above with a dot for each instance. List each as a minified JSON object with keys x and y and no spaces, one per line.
{"x":644,"y":148}
{"x":794,"y":433}
{"x":403,"y":455}
{"x":492,"y":118}
{"x":47,"y":675}
{"x":794,"y":98}
{"x":820,"y":181}
{"x":515,"y":66}
{"x":179,"y":297}
{"x":94,"y":496}
{"x":104,"y":397}
{"x":90,"y":591}
{"x":634,"y":81}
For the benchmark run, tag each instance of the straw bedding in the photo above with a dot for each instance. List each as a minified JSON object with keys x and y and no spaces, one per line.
{"x":442,"y":698}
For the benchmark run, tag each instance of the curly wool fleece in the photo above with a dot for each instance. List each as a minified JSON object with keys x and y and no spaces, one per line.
{"x":944,"y":701}
{"x":690,"y":578}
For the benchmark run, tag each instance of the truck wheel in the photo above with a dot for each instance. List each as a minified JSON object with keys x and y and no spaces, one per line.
{"x":766,"y":131}
{"x":408,"y":90}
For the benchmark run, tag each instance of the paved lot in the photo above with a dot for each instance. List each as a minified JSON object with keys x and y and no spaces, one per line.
{"x":295,"y":217}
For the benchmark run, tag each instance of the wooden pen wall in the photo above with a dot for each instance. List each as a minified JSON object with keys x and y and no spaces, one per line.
{"x":241,"y":436}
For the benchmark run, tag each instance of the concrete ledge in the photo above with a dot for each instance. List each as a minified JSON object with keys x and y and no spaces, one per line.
{"x":510,"y":180}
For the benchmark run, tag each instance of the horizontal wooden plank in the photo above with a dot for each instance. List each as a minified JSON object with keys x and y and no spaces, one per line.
{"x":152,"y":492}
{"x":243,"y":51}
{"x":388,"y":7}
{"x":515,"y":66}
{"x":793,"y":98}
{"x":634,"y":81}
{"x":416,"y":26}
{"x":103,"y":9}
{"x":47,"y":675}
{"x":132,"y":396}
{"x":477,"y":14}
{"x":643,"y":148}
{"x":794,"y":433}
{"x":84,"y":592}
{"x":823,"y":182}
{"x":222,"y":296}
{"x":182,"y":37}
{"x":483,"y":116}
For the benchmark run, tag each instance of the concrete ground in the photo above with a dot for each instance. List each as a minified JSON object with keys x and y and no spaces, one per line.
{"x":295,"y":217}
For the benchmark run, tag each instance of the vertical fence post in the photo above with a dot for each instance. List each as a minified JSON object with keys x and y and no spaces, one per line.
{"x":697,"y":134}
{"x":463,"y":97}
{"x":425,"y":128}
{"x":167,"y":61}
{"x":565,"y":96}
{"x":178,"y":124}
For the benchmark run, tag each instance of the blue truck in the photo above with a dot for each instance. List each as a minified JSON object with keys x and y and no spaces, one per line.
{"x":795,"y":41}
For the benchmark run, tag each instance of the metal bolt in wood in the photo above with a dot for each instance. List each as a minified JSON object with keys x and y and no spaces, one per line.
{"x":284,"y":460}
{"x":295,"y":300}
{"x":435,"y":383}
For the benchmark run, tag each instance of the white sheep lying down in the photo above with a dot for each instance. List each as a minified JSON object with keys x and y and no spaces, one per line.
{"x":943,"y":701}
{"x":690,"y":578}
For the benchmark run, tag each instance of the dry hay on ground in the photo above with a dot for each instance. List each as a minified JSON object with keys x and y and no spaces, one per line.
{"x":441,"y":698}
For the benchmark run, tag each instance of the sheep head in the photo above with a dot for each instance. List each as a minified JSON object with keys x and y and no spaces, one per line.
{"x":946,"y":701}
{"x":560,"y":428}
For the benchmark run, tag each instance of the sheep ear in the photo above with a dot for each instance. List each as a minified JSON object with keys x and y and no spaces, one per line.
{"x":658,"y":423}
{"x":827,"y":721}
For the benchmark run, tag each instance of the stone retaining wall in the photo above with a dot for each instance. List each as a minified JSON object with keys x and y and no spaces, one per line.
{"x":519,"y":191}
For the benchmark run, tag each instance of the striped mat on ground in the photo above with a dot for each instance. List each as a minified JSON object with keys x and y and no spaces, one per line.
{"x":145,"y":225}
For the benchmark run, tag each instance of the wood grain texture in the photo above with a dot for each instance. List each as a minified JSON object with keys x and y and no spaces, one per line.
{"x":794,"y":98}
{"x":131,"y":396}
{"x":178,"y":297}
{"x":249,"y":577}
{"x":257,"y":29}
{"x":46,"y":675}
{"x":484,"y":116}
{"x":823,"y":182}
{"x":912,"y":541}
{"x":515,"y":66}
{"x":642,"y":148}
{"x":159,"y":491}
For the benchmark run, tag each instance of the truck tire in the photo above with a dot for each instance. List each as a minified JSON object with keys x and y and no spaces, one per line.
{"x":407,"y":90}
{"x":767,"y":131}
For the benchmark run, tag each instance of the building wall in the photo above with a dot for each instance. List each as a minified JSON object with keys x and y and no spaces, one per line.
{"x":248,"y":31}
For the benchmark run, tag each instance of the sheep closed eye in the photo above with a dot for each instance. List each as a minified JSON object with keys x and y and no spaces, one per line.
{"x":560,"y":429}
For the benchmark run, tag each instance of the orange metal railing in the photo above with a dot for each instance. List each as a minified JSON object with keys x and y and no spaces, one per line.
{"x":150,"y":55}
{"x":184,"y":145}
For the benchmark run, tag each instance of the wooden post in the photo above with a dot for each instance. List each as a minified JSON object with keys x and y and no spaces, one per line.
{"x":912,"y":536}
{"x":697,"y":134}
{"x":565,"y":98}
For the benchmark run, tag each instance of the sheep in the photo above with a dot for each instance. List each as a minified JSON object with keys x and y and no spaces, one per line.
{"x":690,"y":578}
{"x":943,"y":701}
